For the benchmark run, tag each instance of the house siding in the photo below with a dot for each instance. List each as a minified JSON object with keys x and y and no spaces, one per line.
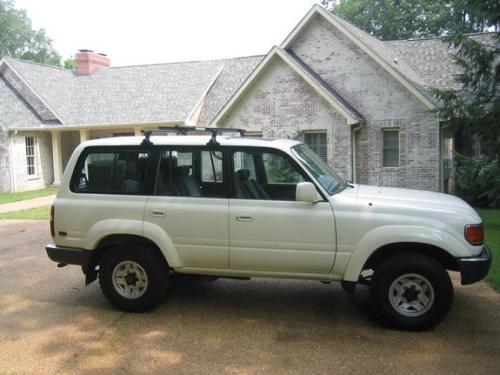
{"x":382,"y":101}
{"x":283,"y":105}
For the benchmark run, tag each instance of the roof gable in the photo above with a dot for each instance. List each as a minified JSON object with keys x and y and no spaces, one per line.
{"x":373,"y":47}
{"x":325,"y":91}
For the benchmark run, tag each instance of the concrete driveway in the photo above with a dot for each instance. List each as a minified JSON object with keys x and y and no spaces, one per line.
{"x":51,"y":324}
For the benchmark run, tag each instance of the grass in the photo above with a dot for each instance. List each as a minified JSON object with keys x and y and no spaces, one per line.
{"x":15,"y":197}
{"x":38,"y":213}
{"x":491,"y":222}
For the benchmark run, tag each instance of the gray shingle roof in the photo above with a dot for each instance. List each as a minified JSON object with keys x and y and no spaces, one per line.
{"x":432,"y":59}
{"x":14,"y":110}
{"x":122,"y":95}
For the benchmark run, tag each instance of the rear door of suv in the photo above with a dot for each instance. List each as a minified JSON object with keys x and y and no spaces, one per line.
{"x":190,"y":204}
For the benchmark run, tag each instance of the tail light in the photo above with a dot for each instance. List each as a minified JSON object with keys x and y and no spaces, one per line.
{"x":474,"y":234}
{"x":52,"y":230}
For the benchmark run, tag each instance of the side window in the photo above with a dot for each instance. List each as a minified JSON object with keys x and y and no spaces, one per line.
{"x":279,"y":170}
{"x":193,"y":173}
{"x":109,"y":172}
{"x":264,"y":175}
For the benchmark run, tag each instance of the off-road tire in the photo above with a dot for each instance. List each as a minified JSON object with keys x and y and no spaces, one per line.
{"x":155,"y":267}
{"x":398,"y":265}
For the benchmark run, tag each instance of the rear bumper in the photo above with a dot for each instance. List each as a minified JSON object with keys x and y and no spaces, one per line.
{"x":66,"y":255}
{"x":475,"y":268}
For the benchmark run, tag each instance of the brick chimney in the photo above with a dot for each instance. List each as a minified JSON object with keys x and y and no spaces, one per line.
{"x":87,"y":61}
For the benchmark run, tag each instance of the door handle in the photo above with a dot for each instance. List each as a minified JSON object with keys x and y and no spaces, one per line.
{"x":246,"y":218}
{"x":158,"y":212}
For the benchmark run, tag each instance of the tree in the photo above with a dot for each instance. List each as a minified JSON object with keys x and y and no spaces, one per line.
{"x":70,"y":63}
{"x":19,"y":39}
{"x":404,"y":19}
{"x":475,"y":109}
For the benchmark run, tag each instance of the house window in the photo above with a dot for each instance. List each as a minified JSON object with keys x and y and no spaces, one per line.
{"x":390,"y":148}
{"x":317,"y":142}
{"x":31,"y":155}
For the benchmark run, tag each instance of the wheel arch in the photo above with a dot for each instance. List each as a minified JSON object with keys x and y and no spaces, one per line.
{"x":435,"y":252}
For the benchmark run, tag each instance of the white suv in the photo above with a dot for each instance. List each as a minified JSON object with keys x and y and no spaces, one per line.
{"x":134,"y":210}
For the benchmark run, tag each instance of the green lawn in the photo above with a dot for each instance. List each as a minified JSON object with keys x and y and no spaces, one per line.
{"x":491,"y":221}
{"x":38,"y":213}
{"x":15,"y":197}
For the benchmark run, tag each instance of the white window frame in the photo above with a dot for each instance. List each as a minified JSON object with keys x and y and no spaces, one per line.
{"x":305,"y":133}
{"x":31,"y":149}
{"x":384,"y":130}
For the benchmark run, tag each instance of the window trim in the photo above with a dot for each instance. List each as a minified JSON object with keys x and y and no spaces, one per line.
{"x":398,"y":130}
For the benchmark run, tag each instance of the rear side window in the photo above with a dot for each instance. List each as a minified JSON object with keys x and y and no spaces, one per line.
{"x":112,"y":172}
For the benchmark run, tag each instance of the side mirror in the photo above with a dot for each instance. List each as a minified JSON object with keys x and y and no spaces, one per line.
{"x":306,"y":192}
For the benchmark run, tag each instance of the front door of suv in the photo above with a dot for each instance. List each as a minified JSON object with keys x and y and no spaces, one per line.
{"x":190,"y":205}
{"x":268,"y":229}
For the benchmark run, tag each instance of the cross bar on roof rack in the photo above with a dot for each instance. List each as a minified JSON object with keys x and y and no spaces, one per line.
{"x":183,"y":130}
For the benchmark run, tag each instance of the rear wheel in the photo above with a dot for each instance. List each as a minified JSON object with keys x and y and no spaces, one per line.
{"x":134,"y":277}
{"x":411,"y":291}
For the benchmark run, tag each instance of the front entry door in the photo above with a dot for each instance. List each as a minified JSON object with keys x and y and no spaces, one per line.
{"x":268,"y":229}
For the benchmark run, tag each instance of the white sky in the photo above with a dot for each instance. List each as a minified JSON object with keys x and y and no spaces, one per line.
{"x":148,"y":31}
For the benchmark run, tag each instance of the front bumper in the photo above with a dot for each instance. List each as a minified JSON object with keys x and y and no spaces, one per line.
{"x":67,"y":255}
{"x":475,"y":268}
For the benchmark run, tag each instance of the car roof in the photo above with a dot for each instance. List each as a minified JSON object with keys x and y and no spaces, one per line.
{"x":194,"y":140}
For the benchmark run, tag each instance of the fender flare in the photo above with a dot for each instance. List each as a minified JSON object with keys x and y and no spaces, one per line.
{"x":391,"y":234}
{"x":149,"y":231}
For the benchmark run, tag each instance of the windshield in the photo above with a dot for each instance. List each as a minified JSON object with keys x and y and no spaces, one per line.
{"x":327,"y":178}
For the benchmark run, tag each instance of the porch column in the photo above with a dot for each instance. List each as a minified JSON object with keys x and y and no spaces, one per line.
{"x":137,"y":132}
{"x":56,"y":156}
{"x":84,"y":135}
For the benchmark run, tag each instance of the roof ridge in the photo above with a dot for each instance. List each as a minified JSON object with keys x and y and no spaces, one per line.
{"x":188,"y":62}
{"x":436,"y":37}
{"x":37,"y":63}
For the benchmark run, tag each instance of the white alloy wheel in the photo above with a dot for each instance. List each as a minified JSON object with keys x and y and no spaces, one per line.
{"x":130,"y":280}
{"x":411,"y":295}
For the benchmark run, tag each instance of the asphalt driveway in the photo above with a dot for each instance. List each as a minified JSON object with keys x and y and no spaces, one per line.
{"x":51,"y":324}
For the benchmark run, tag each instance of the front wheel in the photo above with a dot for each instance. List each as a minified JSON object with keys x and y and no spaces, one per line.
{"x":411,"y":291}
{"x":134,"y":278}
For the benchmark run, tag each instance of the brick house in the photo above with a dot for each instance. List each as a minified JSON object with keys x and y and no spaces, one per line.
{"x":362,"y":104}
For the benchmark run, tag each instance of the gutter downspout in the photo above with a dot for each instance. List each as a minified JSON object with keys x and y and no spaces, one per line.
{"x":355,"y":128}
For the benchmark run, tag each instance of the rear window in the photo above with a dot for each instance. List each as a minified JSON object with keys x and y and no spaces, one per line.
{"x":112,"y":172}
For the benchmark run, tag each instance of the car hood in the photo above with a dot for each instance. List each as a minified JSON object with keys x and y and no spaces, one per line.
{"x":417,"y":199}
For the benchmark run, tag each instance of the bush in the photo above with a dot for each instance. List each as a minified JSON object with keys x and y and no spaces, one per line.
{"x":478,"y":181}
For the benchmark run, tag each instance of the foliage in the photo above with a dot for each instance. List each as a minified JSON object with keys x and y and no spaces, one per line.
{"x":37,"y":213}
{"x":474,"y":109}
{"x":491,"y":222}
{"x":476,"y":180}
{"x":15,"y":197}
{"x":70,"y":63}
{"x":19,"y":39}
{"x":403,"y":19}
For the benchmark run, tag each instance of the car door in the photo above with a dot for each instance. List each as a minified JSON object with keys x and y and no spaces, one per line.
{"x":190,"y":204}
{"x":268,"y":229}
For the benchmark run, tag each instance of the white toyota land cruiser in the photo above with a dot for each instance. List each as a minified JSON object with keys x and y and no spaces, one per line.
{"x":134,"y":210}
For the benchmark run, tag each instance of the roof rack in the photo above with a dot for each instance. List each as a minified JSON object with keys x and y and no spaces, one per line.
{"x":183,"y":130}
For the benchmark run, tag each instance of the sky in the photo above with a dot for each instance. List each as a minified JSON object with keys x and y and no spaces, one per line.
{"x":134,"y":32}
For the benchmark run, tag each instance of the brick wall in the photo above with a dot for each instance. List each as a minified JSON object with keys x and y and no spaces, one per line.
{"x":283,"y":105}
{"x":382,"y":101}
{"x":5,"y":172}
